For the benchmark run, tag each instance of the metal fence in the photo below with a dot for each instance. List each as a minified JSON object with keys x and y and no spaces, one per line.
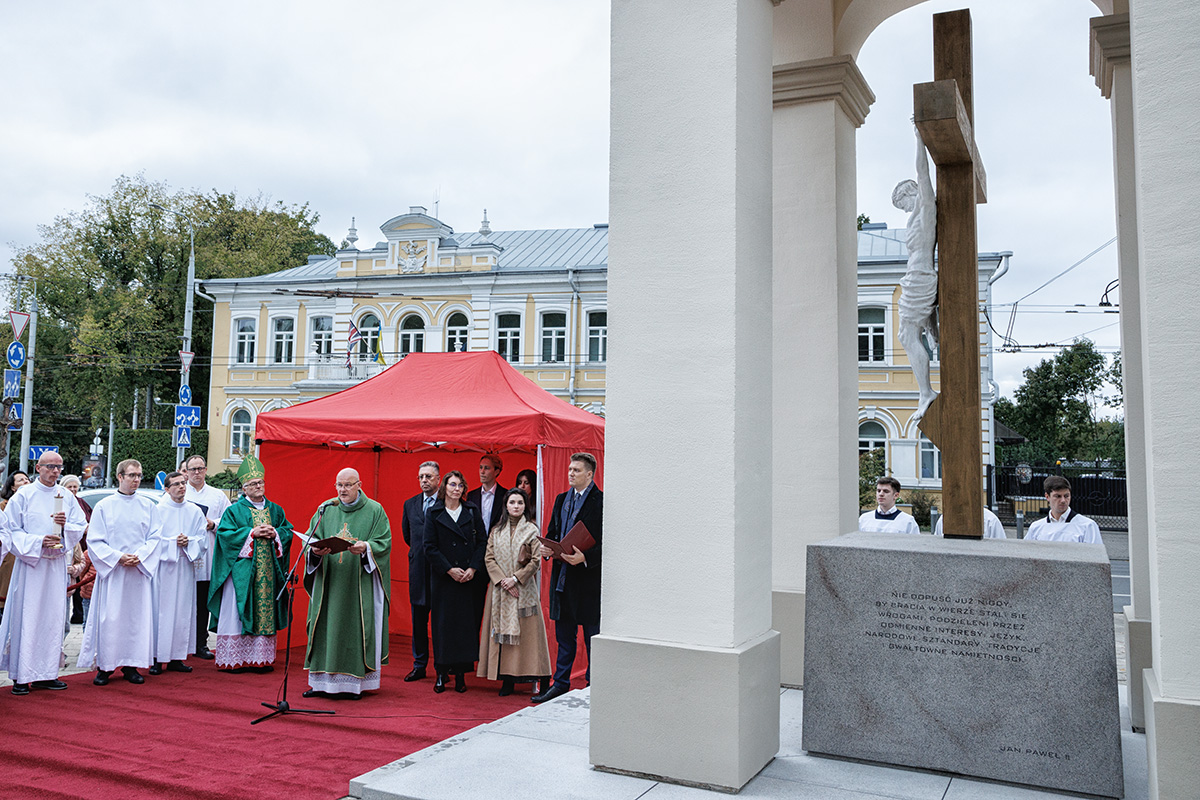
{"x":1096,"y":491}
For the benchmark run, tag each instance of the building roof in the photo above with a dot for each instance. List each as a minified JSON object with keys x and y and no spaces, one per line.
{"x":565,"y":248}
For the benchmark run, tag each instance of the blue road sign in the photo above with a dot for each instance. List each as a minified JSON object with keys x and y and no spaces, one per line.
{"x":185,"y":395}
{"x":36,"y":450}
{"x":183,"y":437}
{"x":160,"y":480}
{"x":12,"y":383}
{"x":16,"y":355}
{"x":17,"y":409}
{"x":187,"y":416}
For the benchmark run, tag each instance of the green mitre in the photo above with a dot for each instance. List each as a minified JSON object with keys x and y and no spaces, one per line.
{"x":250,"y":470}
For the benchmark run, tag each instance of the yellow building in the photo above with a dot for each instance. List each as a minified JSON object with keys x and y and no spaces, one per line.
{"x":887,"y":390}
{"x":538,"y":297}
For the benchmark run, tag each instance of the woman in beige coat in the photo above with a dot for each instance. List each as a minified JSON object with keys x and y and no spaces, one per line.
{"x":512,"y":641}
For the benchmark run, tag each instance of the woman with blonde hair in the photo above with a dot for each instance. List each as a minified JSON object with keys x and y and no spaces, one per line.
{"x":512,"y":642}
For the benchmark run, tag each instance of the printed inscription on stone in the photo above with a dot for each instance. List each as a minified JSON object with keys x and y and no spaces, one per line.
{"x":955,"y":626}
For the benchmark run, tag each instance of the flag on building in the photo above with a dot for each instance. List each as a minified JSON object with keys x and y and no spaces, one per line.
{"x":379,"y":353}
{"x":353,"y":337}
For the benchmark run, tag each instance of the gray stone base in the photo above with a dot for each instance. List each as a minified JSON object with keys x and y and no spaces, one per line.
{"x":1139,"y":656}
{"x":691,"y":715}
{"x":1172,"y":742}
{"x":992,"y":658}
{"x":787,"y":617}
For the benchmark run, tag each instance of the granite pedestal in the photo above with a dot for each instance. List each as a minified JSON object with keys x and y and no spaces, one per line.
{"x":992,"y":658}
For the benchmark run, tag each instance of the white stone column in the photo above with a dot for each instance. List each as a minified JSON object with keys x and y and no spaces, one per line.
{"x":685,"y":684}
{"x":1166,"y":92}
{"x":818,"y":104}
{"x":1111,"y":68}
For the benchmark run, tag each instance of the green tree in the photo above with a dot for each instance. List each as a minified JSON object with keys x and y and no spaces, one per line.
{"x":111,"y":287}
{"x":871,"y":465}
{"x":1055,"y":409}
{"x":863,"y":219}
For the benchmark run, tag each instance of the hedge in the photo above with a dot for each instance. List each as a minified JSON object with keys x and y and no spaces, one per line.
{"x":153,"y":449}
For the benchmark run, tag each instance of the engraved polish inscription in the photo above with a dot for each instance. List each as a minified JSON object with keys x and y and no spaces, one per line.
{"x":955,"y":626}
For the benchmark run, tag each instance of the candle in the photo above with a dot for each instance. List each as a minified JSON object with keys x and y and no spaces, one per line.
{"x":58,"y":507}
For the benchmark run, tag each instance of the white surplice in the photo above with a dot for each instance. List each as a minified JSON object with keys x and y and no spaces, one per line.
{"x":214,"y":502}
{"x":175,"y":579}
{"x":35,"y":612}
{"x":120,"y":626}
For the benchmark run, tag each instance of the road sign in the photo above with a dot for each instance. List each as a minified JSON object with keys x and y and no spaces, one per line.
{"x":19,"y":320}
{"x":160,"y":480}
{"x":187,"y":416}
{"x":12,"y":383}
{"x":15,"y":416}
{"x":185,"y":395}
{"x":186,"y":358}
{"x":36,"y":450}
{"x":16,"y":355}
{"x":183,"y":437}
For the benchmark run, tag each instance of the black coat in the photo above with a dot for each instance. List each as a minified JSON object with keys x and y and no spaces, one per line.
{"x":413,"y":526}
{"x":453,"y":609}
{"x":581,"y":591}
{"x":476,"y":496}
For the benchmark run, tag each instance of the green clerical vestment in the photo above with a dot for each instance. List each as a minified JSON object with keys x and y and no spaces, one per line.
{"x":257,"y":579}
{"x":342,"y":618}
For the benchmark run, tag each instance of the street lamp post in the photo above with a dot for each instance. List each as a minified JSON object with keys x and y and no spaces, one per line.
{"x":187,"y":308}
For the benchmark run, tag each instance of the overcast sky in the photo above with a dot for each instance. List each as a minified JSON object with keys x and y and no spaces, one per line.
{"x":365,"y":107}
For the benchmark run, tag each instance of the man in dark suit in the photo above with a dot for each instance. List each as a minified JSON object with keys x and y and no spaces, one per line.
{"x":429,"y":475}
{"x":488,"y":498}
{"x":575,"y":579}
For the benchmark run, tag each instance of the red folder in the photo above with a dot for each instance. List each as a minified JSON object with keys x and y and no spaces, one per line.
{"x":579,"y":536}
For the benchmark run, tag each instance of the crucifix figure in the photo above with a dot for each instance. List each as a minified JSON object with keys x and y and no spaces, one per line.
{"x":944,"y":116}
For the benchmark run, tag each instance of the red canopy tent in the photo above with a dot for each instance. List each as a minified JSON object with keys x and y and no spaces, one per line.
{"x":445,"y":407}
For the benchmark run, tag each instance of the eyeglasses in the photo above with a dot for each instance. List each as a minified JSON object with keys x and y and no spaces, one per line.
{"x":253,"y":484}
{"x":137,"y":475}
{"x":348,"y":485}
{"x":52,"y":466}
{"x":195,"y":469}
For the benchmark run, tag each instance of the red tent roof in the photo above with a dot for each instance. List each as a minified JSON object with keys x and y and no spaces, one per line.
{"x":472,"y":399}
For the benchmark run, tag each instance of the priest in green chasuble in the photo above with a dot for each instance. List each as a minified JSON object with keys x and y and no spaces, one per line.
{"x":347,"y":616}
{"x":250,"y":564}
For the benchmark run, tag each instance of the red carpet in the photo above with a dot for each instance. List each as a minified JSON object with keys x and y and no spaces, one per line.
{"x":190,"y":736}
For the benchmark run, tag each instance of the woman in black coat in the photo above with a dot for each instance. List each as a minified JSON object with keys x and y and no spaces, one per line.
{"x":455,"y":544}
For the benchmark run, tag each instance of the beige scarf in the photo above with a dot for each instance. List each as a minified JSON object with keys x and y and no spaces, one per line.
{"x":505,"y":623}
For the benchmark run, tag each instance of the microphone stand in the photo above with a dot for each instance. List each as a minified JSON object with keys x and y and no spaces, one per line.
{"x":282,"y":707}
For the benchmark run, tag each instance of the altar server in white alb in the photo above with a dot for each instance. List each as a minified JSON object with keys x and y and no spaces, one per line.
{"x":42,"y":525}
{"x":992,"y":528}
{"x":179,"y":527}
{"x":124,"y":550}
{"x":1062,"y":524}
{"x":212,"y":502}
{"x":887,"y":518}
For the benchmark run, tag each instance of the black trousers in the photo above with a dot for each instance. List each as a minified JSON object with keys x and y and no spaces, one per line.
{"x":420,"y":636}
{"x":201,"y":616}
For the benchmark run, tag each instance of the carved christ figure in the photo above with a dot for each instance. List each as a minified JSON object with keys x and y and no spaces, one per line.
{"x":918,"y":295}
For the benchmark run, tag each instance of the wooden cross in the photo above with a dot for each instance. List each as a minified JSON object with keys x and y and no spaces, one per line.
{"x":944,"y":116}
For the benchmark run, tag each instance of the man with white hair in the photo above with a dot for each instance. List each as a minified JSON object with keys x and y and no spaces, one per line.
{"x":43,"y":524}
{"x":347,"y":617}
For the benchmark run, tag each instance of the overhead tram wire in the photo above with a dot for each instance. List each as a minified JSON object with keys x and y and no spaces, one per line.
{"x":1013,"y":316}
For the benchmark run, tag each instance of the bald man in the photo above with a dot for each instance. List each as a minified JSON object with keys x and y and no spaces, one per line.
{"x":347,"y":616}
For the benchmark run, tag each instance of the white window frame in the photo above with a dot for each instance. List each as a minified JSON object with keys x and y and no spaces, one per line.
{"x":366,"y":348}
{"x":285,"y":338}
{"x":241,"y":431}
{"x":875,"y":329}
{"x":457,"y":333}
{"x":554,"y":336}
{"x":505,"y":338}
{"x":322,"y":339}
{"x":872,"y":444}
{"x":245,"y":343}
{"x":598,"y":332}
{"x":412,"y":336}
{"x":927,"y":447}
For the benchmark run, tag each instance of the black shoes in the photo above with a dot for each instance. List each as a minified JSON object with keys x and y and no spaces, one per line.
{"x":205,"y":653}
{"x":506,"y":688}
{"x":551,"y":693}
{"x":54,"y":686}
{"x":460,"y":683}
{"x":155,"y":669}
{"x":417,"y":674}
{"x":20,"y":688}
{"x":101,"y":678}
{"x":132,"y":675}
{"x":178,"y":666}
{"x":312,"y":693}
{"x":439,"y":684}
